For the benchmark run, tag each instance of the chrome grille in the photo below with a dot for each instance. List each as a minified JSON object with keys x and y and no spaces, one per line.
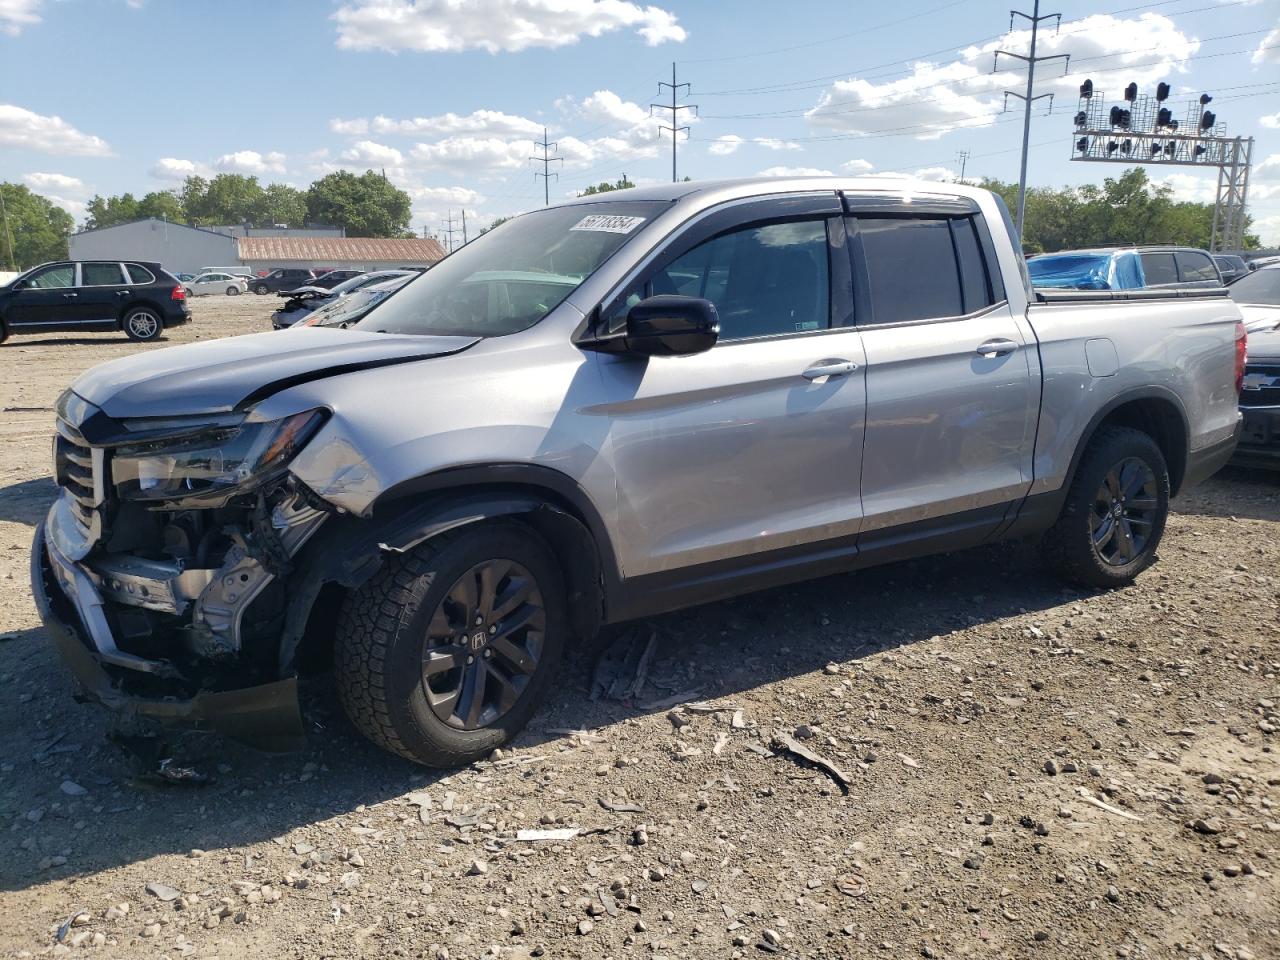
{"x":1261,"y":385}
{"x":77,"y":468}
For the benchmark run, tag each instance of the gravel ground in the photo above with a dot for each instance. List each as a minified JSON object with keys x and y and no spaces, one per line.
{"x":1032,"y":771}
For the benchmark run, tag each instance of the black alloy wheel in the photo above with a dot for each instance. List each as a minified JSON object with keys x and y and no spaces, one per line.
{"x":1124,"y":512}
{"x":484,"y":641}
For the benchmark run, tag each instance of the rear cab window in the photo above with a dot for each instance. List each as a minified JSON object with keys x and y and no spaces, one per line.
{"x":1195,"y":267}
{"x":919,"y":268}
{"x":1159,"y":269}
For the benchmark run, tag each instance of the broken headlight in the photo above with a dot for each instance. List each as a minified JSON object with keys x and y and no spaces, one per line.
{"x":216,"y":463}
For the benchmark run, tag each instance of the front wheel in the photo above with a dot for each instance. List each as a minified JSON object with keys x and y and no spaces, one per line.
{"x":142,"y":324}
{"x":447,"y":651}
{"x":1115,"y":511}
{"x":261,"y":289}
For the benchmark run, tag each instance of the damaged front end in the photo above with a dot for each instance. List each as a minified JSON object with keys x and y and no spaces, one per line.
{"x":162,"y":568}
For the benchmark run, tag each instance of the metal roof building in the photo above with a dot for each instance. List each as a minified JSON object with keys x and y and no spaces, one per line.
{"x":337,"y":253}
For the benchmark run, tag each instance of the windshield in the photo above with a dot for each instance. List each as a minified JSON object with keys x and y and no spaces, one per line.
{"x":1260,"y":287}
{"x":347,"y":310}
{"x":508,"y":279}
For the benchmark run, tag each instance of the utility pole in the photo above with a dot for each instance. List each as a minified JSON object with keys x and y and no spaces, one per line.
{"x":546,"y":160}
{"x":1030,"y":60}
{"x":4,"y":224}
{"x":963,"y":157}
{"x":674,"y":128}
{"x":464,"y":226}
{"x":448,"y":229}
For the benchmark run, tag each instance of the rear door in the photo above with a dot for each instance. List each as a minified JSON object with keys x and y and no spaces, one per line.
{"x":47,"y":297}
{"x":951,"y":404}
{"x":102,"y":292}
{"x":748,"y":454}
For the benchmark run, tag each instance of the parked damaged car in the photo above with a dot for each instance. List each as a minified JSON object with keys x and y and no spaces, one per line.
{"x":599,"y":411}
{"x":300,"y":303}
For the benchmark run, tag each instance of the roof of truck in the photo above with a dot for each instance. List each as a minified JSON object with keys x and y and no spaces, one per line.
{"x":750,"y":186}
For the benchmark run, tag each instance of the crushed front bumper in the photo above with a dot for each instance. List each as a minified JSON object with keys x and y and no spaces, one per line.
{"x":265,"y":716}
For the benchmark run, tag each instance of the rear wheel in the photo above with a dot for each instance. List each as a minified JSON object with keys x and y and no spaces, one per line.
{"x":142,"y":324}
{"x":188,"y":291}
{"x":447,"y":651}
{"x":233,"y":291}
{"x":1115,"y":512}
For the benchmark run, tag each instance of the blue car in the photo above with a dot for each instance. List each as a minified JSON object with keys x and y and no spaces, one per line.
{"x":1124,"y":268}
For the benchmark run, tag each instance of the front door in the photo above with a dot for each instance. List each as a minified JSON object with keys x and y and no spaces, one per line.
{"x":749,"y":453}
{"x":48,"y":296}
{"x":952,"y":402}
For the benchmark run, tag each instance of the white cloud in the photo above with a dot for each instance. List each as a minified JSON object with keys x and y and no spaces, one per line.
{"x":770,"y":143}
{"x":1268,"y":230}
{"x":1268,"y":169}
{"x":494,"y":25}
{"x":605,"y":106}
{"x":24,"y":130}
{"x":935,"y":98}
{"x":723,"y":146}
{"x":370,"y":154}
{"x":1269,"y":49}
{"x":40,"y":182}
{"x":937,"y":174}
{"x":172,"y":168}
{"x":251,"y":162}
{"x":16,"y":14}
{"x":794,"y":172}
{"x":462,"y":153}
{"x":487,"y":123}
{"x":1270,"y":121}
{"x":857,"y":166}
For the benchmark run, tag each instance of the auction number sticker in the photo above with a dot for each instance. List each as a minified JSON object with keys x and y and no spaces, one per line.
{"x":605,"y":224}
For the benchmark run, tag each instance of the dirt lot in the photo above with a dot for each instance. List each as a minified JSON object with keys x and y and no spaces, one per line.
{"x":1034,"y":772}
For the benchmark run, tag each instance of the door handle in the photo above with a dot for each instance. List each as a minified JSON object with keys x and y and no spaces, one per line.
{"x":829,"y":368}
{"x":122,"y":293}
{"x":69,"y":296}
{"x":998,"y":347}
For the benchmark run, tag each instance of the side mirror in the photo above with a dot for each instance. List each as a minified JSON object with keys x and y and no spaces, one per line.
{"x":672,"y":326}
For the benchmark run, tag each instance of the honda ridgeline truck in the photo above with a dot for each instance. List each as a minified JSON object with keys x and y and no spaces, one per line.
{"x":600,"y":411}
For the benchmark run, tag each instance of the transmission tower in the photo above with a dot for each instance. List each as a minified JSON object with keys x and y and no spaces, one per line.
{"x":1030,"y":59}
{"x":448,"y":229}
{"x":674,"y":127}
{"x":546,"y":160}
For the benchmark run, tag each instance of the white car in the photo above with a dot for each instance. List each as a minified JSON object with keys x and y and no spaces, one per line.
{"x":216,"y":283}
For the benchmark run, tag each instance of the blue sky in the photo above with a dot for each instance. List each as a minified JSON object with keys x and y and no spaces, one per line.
{"x":104,"y":96}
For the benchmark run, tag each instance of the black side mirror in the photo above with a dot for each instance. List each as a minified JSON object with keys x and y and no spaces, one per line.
{"x":672,"y":326}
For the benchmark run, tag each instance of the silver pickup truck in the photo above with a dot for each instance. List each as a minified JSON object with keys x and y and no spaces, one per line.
{"x":599,"y":411}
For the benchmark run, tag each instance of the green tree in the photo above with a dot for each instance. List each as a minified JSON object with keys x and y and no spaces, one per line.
{"x":37,"y":229}
{"x":368,"y":205}
{"x":496,"y":223}
{"x":163,"y":205}
{"x":622,"y":183}
{"x":226,"y":199}
{"x":109,"y":211}
{"x":281,"y":203}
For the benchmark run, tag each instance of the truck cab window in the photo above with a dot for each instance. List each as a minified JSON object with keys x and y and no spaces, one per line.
{"x":912,"y":269}
{"x":765,"y":280}
{"x":1158,"y":268}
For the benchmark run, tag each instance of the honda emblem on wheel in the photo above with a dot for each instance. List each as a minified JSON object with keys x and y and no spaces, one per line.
{"x":478,"y":640}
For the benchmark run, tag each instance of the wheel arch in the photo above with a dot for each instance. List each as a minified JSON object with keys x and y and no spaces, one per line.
{"x":140,"y":302}
{"x":349,"y":550}
{"x":1157,"y":412}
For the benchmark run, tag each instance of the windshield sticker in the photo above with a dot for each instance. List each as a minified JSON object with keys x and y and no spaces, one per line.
{"x":603,"y":224}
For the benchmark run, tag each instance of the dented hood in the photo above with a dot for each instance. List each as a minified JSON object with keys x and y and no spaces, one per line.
{"x":222,"y":375}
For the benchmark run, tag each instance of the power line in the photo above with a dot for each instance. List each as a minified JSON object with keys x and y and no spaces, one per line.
{"x":674,"y":128}
{"x":546,"y":160}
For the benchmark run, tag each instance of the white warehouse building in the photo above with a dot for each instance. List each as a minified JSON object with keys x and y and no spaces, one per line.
{"x":183,"y":249}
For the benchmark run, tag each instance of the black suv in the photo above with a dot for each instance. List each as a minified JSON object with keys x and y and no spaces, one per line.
{"x":286,"y":278}
{"x":334,"y":277}
{"x":139,"y":298}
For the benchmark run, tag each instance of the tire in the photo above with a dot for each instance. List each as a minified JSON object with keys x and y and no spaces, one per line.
{"x":4,"y":331}
{"x":189,"y":292}
{"x":233,"y":291}
{"x":419,"y":602}
{"x":261,"y":289}
{"x":142,"y":324}
{"x":1115,"y":512}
